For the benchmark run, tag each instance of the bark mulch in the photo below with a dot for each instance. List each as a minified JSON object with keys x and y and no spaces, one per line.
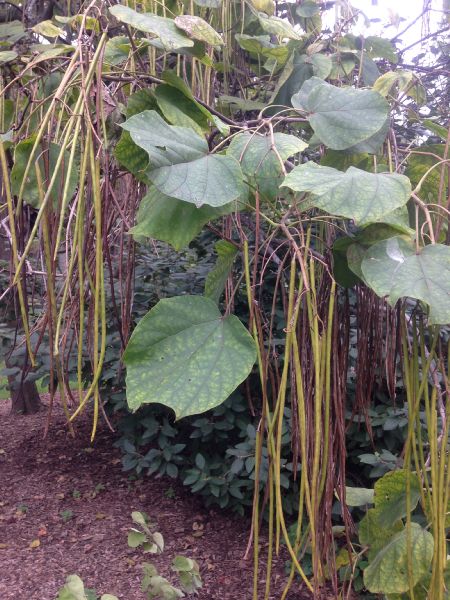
{"x":65,"y":508}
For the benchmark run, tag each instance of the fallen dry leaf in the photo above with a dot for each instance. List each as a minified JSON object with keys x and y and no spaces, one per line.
{"x":35,"y":544}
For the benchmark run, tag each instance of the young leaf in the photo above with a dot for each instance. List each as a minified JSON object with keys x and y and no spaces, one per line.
{"x":217,"y":277}
{"x":185,"y":355}
{"x":356,"y":194}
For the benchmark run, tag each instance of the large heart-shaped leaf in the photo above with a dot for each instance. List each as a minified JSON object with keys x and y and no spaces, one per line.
{"x":165,"y":144}
{"x":259,"y":156}
{"x":172,"y":220}
{"x":165,"y":29}
{"x":387,"y":573}
{"x":356,"y":194}
{"x":180,"y":165}
{"x":277,"y":26}
{"x":185,"y":355}
{"x":179,"y":110}
{"x":341,"y":117}
{"x":392,"y":268}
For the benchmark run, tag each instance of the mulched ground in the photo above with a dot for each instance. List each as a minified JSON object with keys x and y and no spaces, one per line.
{"x":65,"y":508}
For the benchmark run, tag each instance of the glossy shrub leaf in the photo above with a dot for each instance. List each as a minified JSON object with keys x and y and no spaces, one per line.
{"x":217,"y":277}
{"x":341,"y":117}
{"x":22,"y":155}
{"x":424,"y":276}
{"x":165,"y":29}
{"x":260,"y":161}
{"x":387,"y":573}
{"x":186,"y":355}
{"x":174,"y":221}
{"x":198,"y":29}
{"x":390,"y":496}
{"x":356,"y":194}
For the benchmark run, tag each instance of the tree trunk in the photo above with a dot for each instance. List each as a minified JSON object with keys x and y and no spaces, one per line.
{"x":24,"y":396}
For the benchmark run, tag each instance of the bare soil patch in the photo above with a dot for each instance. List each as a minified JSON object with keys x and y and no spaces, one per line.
{"x":65,"y":508}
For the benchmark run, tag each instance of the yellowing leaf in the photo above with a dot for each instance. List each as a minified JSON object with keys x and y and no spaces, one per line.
{"x":35,"y":544}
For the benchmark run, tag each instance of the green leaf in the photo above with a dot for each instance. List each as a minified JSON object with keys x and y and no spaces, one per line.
{"x":12,"y":32}
{"x":213,"y":179}
{"x":419,"y":165}
{"x":217,"y":277}
{"x":73,"y":589}
{"x":180,"y":165}
{"x":185,"y":355}
{"x":7,"y":56}
{"x":48,"y":29}
{"x":378,"y":47}
{"x":261,"y":44}
{"x":344,"y":276}
{"x":307,"y":9}
{"x":260,"y":160}
{"x":198,"y":29}
{"x":109,"y":597}
{"x":322,"y":65}
{"x":388,"y":572}
{"x":136,"y":538}
{"x":165,"y":144}
{"x":181,"y":563}
{"x":165,"y":29}
{"x":341,"y":117}
{"x":358,"y":496}
{"x":179,"y":110}
{"x":390,"y":496}
{"x":208,"y":3}
{"x":278,"y":26}
{"x":22,"y":154}
{"x":356,"y":194}
{"x":174,"y":221}
{"x":172,"y":79}
{"x":374,"y":535}
{"x":117,"y":50}
{"x":424,"y":276}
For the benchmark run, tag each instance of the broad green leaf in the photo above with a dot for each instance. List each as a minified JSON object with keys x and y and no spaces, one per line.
{"x":424,"y":276}
{"x":344,"y":276}
{"x":240,"y":104}
{"x":212,"y":179}
{"x":165,"y":144}
{"x":117,"y":50}
{"x":387,"y":573}
{"x":294,"y":74}
{"x":172,"y":79}
{"x":374,"y":143}
{"x":358,"y":496}
{"x":198,"y":29}
{"x":217,"y":277}
{"x":419,"y":165}
{"x":261,"y":44}
{"x":48,"y":29}
{"x":136,"y":538}
{"x":260,"y":159}
{"x":378,"y":47}
{"x":341,"y":117}
{"x":182,"y":563}
{"x":7,"y":56}
{"x":390,"y":496}
{"x":73,"y":589}
{"x":11,"y":32}
{"x":386,"y":82}
{"x":382,"y":262}
{"x":374,"y":535}
{"x":174,"y":221}
{"x":129,"y":154}
{"x":435,"y":128}
{"x":165,"y":29}
{"x":185,"y":355}
{"x":321,"y":64}
{"x":179,"y":110}
{"x":180,"y":165}
{"x":356,"y":194}
{"x":355,"y":255}
{"x":277,"y":26}
{"x":22,"y":154}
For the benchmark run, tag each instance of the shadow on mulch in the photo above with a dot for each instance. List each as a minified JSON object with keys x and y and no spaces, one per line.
{"x":65,"y":508}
